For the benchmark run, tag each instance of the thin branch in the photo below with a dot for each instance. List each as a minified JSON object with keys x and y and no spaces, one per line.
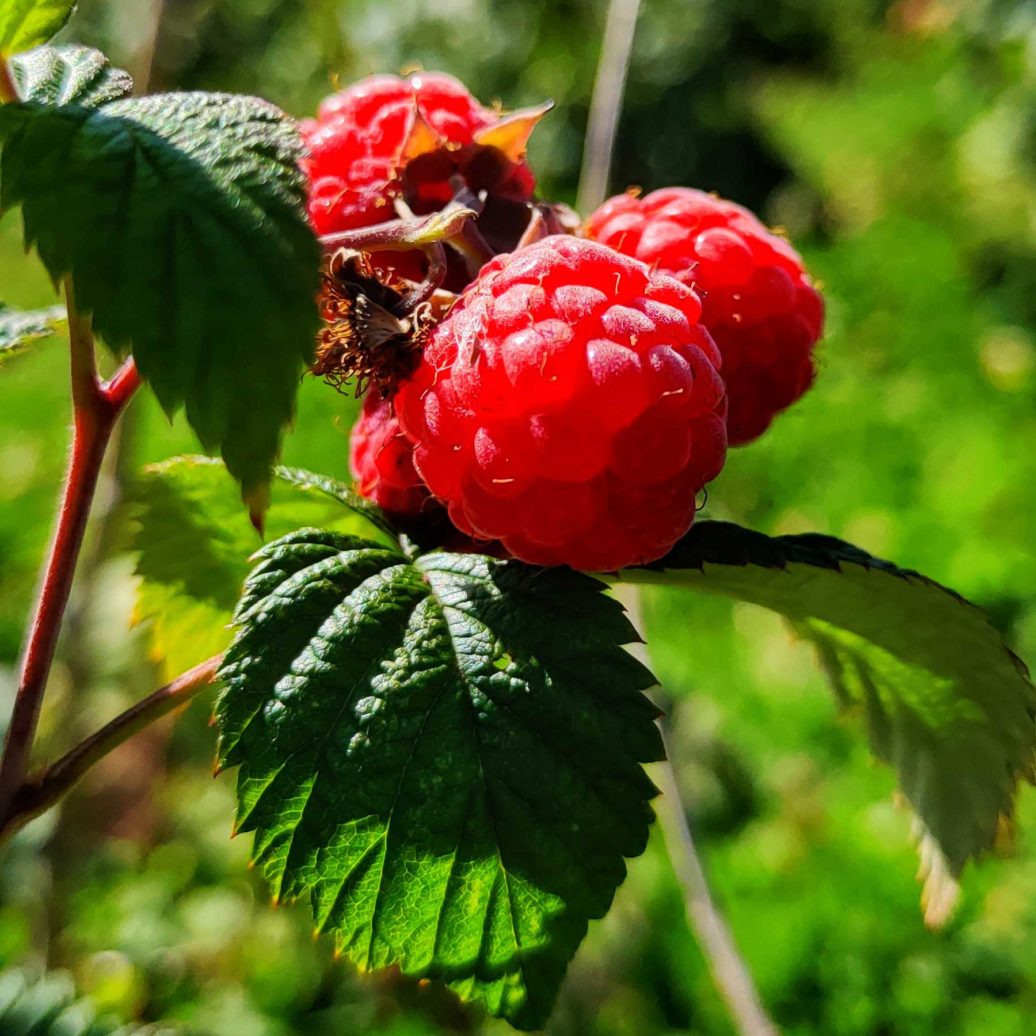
{"x":8,"y":91}
{"x":606,"y":103}
{"x":729,"y":972}
{"x":436,"y":256}
{"x":43,"y":790}
{"x":143,"y":63}
{"x":95,"y":411}
{"x":404,"y":234}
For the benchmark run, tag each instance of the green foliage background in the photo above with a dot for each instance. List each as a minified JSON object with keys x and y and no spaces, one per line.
{"x":896,"y":142}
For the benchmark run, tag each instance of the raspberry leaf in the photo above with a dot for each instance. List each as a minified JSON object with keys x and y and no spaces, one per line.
{"x":944,"y":700}
{"x":28,"y":23}
{"x":69,"y":75}
{"x":444,"y":752}
{"x":20,"y":329}
{"x":193,"y":540}
{"x":179,"y":217}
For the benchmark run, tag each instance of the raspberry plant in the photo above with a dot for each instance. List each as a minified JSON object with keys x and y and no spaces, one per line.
{"x":439,"y":736}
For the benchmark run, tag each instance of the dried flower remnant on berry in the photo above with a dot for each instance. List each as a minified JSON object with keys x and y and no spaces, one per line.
{"x":371,"y":335}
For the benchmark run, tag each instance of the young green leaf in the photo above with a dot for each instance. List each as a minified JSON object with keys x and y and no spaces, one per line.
{"x":193,"y":540}
{"x":944,"y":700}
{"x":25,"y":24}
{"x":444,"y":752}
{"x":48,"y":1007}
{"x":179,"y":217}
{"x":19,"y":329}
{"x":69,"y":75}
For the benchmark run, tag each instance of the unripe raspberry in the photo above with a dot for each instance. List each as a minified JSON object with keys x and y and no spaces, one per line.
{"x":382,"y":461}
{"x":570,"y":406}
{"x":758,"y":302}
{"x":386,"y":137}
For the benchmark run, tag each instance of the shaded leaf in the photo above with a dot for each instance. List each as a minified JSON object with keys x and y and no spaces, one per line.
{"x":193,"y":541}
{"x":28,"y":23}
{"x":180,"y":219}
{"x":944,"y":700}
{"x":445,"y":753}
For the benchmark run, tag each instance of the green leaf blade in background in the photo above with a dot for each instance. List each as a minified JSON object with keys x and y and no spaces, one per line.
{"x":69,"y":75}
{"x":192,"y":542}
{"x":19,"y":329}
{"x":944,"y":700}
{"x":25,"y":24}
{"x":188,"y":245}
{"x":48,"y":1006}
{"x":445,"y":752}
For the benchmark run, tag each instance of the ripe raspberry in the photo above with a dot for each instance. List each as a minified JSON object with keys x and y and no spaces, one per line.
{"x":569,"y":406}
{"x":758,"y":302}
{"x":382,"y":461}
{"x":386,"y":137}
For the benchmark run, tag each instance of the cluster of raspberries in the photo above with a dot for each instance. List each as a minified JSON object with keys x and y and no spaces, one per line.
{"x":575,"y":399}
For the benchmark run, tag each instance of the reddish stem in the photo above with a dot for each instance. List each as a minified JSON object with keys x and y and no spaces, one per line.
{"x":96,"y":407}
{"x":40,"y":791}
{"x":120,"y":388}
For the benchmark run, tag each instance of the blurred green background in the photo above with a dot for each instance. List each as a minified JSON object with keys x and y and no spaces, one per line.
{"x":896,"y":143}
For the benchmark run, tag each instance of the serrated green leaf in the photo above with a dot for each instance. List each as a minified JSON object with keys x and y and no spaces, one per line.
{"x":48,"y":1007}
{"x":180,"y":219}
{"x":340,"y":491}
{"x":25,"y":24}
{"x":445,"y":753}
{"x":19,"y":329}
{"x":193,"y":540}
{"x":69,"y":75}
{"x":944,"y":700}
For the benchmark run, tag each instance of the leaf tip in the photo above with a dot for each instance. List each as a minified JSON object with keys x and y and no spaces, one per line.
{"x":257,"y":500}
{"x":940,"y":891}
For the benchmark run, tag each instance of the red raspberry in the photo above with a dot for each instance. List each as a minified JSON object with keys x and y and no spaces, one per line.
{"x":382,"y":461}
{"x":758,"y":302}
{"x":569,"y":406}
{"x":387,"y":137}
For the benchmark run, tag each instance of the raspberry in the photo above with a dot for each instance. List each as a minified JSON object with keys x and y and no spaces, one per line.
{"x":758,"y":302}
{"x":387,"y":137}
{"x":570,"y":406}
{"x":382,"y":461}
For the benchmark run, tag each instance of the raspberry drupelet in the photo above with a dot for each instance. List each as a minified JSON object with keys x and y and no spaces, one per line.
{"x":570,"y":406}
{"x":382,"y":461}
{"x":758,"y":302}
